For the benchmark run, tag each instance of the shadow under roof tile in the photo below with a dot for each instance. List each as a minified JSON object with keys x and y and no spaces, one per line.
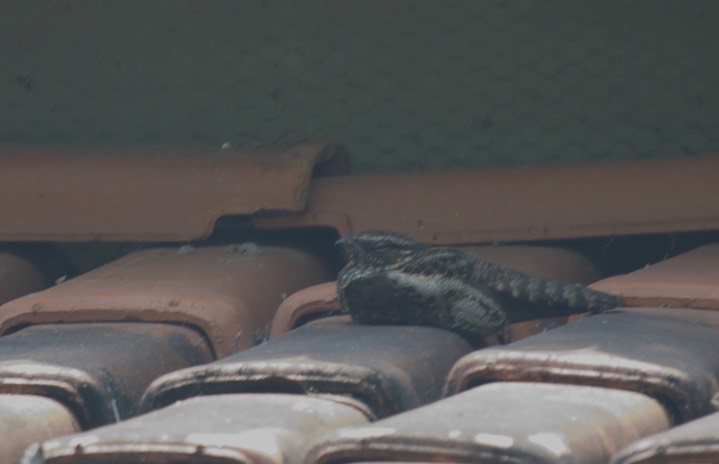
{"x":18,"y":277}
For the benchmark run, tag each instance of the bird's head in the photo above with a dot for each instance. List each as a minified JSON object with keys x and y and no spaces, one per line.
{"x":377,"y":248}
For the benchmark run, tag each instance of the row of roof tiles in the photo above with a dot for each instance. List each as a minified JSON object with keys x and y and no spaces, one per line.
{"x":163,"y":341}
{"x":155,"y":194}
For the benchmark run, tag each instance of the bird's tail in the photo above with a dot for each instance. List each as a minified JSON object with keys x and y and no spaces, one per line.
{"x":564,"y":297}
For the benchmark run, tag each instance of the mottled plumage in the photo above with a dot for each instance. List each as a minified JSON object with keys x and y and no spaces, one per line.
{"x":388,"y":278}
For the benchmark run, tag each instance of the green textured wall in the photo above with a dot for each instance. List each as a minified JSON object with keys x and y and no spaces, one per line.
{"x":404,"y":84}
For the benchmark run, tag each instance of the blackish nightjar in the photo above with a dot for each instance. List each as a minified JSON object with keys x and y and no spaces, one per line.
{"x":389,"y":278}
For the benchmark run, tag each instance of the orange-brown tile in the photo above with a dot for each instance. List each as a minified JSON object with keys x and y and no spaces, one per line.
{"x":503,"y":422}
{"x":388,"y":368}
{"x":230,"y":293}
{"x":221,"y":429}
{"x":515,"y":204}
{"x":690,"y":280}
{"x":151,"y":194}
{"x":666,"y":353}
{"x":302,"y":306}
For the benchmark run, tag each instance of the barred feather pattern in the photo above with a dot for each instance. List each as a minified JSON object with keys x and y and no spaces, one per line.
{"x":520,"y":286}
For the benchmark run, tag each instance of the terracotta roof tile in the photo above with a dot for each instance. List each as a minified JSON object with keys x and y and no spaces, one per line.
{"x":228,"y":293}
{"x":226,"y":429}
{"x":690,"y":280}
{"x":97,"y":370}
{"x":666,"y":353}
{"x":151,"y":194}
{"x":25,"y":419}
{"x":693,"y":442}
{"x":502,"y":422}
{"x":524,"y":203}
{"x":390,"y":369}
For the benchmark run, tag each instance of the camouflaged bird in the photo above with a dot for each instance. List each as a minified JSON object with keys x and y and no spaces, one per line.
{"x":389,"y":278}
